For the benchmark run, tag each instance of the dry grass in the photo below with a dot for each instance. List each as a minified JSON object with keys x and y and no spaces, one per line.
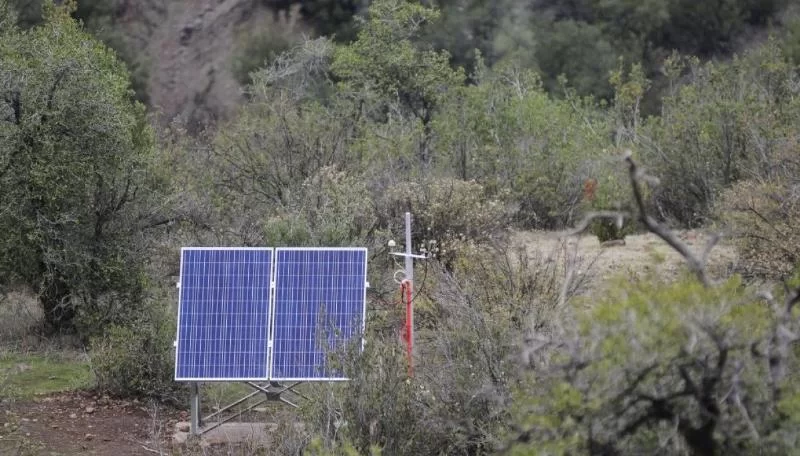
{"x":641,"y":255}
{"x":20,"y":315}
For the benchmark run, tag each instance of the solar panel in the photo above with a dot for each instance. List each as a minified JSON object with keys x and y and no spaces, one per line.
{"x":223,"y":314}
{"x":319,"y":306}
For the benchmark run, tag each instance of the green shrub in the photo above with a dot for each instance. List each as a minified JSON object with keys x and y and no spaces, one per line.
{"x":530,"y":149}
{"x":330,"y":208}
{"x":727,"y":123}
{"x":656,"y":368}
{"x":137,"y":360}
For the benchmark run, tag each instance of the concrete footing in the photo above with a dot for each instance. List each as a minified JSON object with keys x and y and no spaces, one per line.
{"x":228,"y":433}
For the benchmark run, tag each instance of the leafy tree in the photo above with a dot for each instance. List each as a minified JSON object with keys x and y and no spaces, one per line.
{"x":507,"y":133}
{"x":579,"y":51}
{"x":666,"y":369}
{"x":74,"y":155}
{"x":384,"y":62}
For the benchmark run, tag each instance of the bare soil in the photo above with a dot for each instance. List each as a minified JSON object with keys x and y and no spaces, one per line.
{"x":80,"y":423}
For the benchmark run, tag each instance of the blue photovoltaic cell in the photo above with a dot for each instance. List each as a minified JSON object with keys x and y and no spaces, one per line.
{"x":319,"y":308}
{"x":223,"y":314}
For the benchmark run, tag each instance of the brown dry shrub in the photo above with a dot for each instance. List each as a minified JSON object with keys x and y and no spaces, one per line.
{"x":763,"y":217}
{"x":451,"y":212}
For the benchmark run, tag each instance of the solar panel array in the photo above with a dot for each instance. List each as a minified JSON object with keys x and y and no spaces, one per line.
{"x":231,"y":327}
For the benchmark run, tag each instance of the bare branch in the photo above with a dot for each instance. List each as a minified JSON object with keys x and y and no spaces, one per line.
{"x":696,"y":265}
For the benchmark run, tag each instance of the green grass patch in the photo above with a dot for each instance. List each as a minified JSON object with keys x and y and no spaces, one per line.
{"x":26,"y":376}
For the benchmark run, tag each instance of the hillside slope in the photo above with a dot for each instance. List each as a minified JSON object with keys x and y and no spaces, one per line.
{"x":188,"y":48}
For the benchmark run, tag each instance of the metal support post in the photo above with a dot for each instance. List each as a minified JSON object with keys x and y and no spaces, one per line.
{"x":194,"y":402}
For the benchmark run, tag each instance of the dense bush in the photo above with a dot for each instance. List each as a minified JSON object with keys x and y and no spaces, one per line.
{"x":665,"y":369}
{"x":729,"y":122}
{"x":75,"y":156}
{"x":331,"y":208}
{"x":509,"y":135}
{"x":137,"y":359}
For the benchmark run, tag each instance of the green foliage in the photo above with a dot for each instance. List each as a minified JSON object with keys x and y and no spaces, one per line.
{"x":580,"y":52}
{"x":74,"y":156}
{"x":728,"y":123}
{"x":790,"y":35}
{"x":268,"y":160}
{"x":385,"y":68}
{"x":331,"y":208}
{"x":658,"y":367}
{"x":98,"y":17}
{"x":136,"y":360}
{"x":582,"y":39}
{"x":508,"y":134}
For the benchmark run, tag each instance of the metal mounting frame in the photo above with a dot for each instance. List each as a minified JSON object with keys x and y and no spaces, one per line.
{"x":272,"y":391}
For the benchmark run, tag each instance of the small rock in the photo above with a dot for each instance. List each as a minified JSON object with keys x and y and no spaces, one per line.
{"x":89,"y":436}
{"x":73,"y":415}
{"x":89,"y":410}
{"x":54,"y":426}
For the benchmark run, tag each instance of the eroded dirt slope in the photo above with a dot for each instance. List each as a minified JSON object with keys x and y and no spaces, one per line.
{"x":188,"y":47}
